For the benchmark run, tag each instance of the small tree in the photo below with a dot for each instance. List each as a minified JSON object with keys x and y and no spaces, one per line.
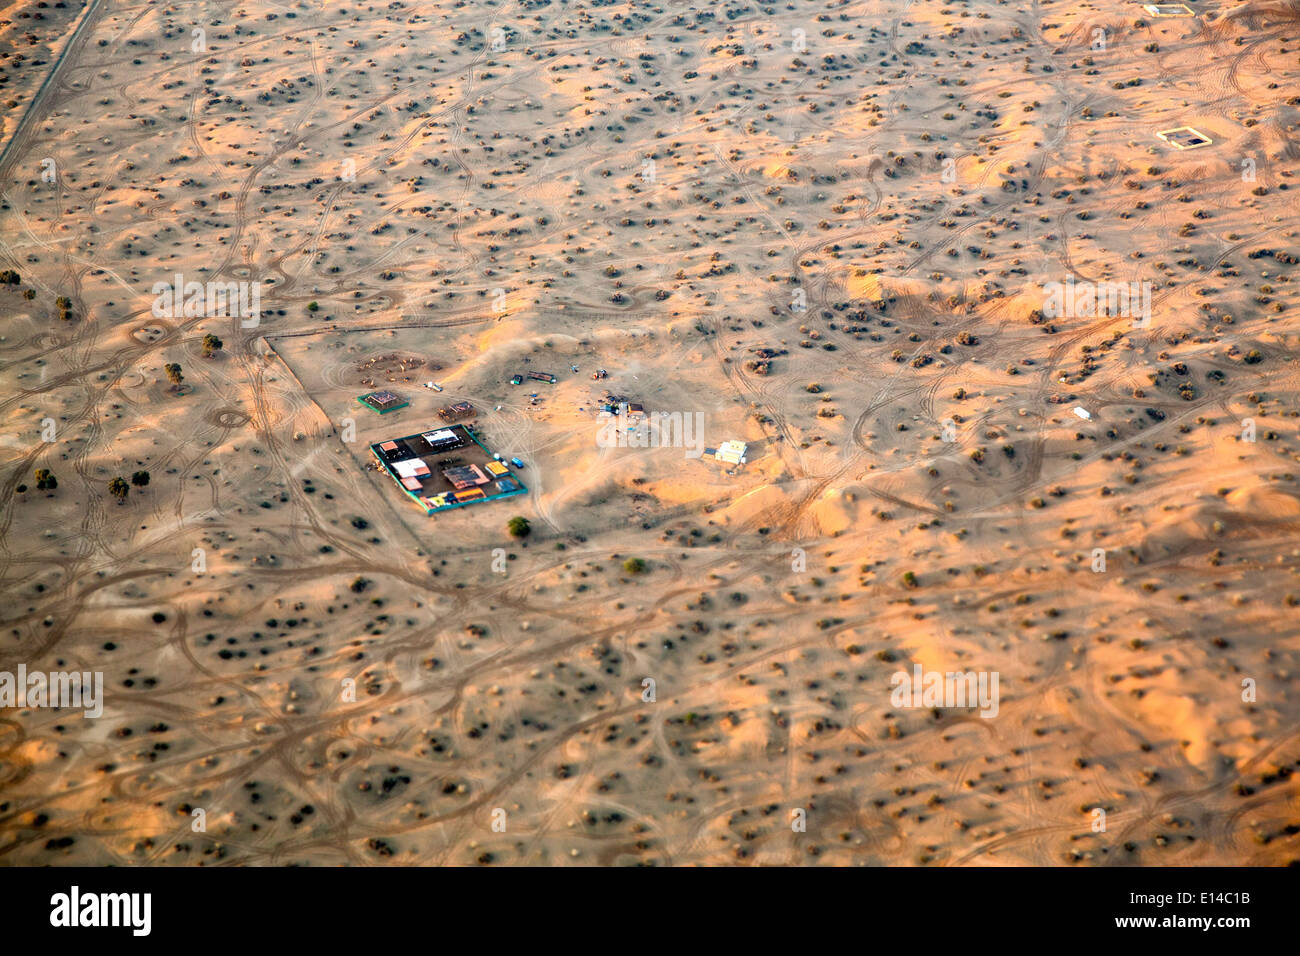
{"x":634,"y":566}
{"x":174,"y":374}
{"x":140,"y":479}
{"x":518,"y":527}
{"x":211,"y":345}
{"x":118,"y":488}
{"x":45,"y":479}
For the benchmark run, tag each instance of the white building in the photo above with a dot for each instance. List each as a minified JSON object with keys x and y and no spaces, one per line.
{"x":732,"y":452}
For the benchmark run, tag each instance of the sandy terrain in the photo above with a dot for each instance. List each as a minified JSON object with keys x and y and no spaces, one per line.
{"x":828,"y":228}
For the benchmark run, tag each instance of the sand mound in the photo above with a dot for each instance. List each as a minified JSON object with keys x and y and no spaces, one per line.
{"x":1256,"y":15}
{"x":754,"y":508}
{"x":1179,"y":535}
{"x":836,"y":511}
{"x":1263,"y":504}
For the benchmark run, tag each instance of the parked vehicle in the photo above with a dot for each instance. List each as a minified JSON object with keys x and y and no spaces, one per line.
{"x":516,"y":462}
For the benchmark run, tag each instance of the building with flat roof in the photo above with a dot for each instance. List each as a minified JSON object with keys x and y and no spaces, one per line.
{"x":444,"y":439}
{"x":465,"y":476}
{"x":732,"y":452}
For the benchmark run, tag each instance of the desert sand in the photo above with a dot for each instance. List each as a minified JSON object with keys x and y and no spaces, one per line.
{"x":825,"y":226}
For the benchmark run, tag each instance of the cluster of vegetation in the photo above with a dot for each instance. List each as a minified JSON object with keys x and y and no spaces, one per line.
{"x":211,"y":346}
{"x":119,"y":489}
{"x":45,"y":481}
{"x":9,"y":277}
